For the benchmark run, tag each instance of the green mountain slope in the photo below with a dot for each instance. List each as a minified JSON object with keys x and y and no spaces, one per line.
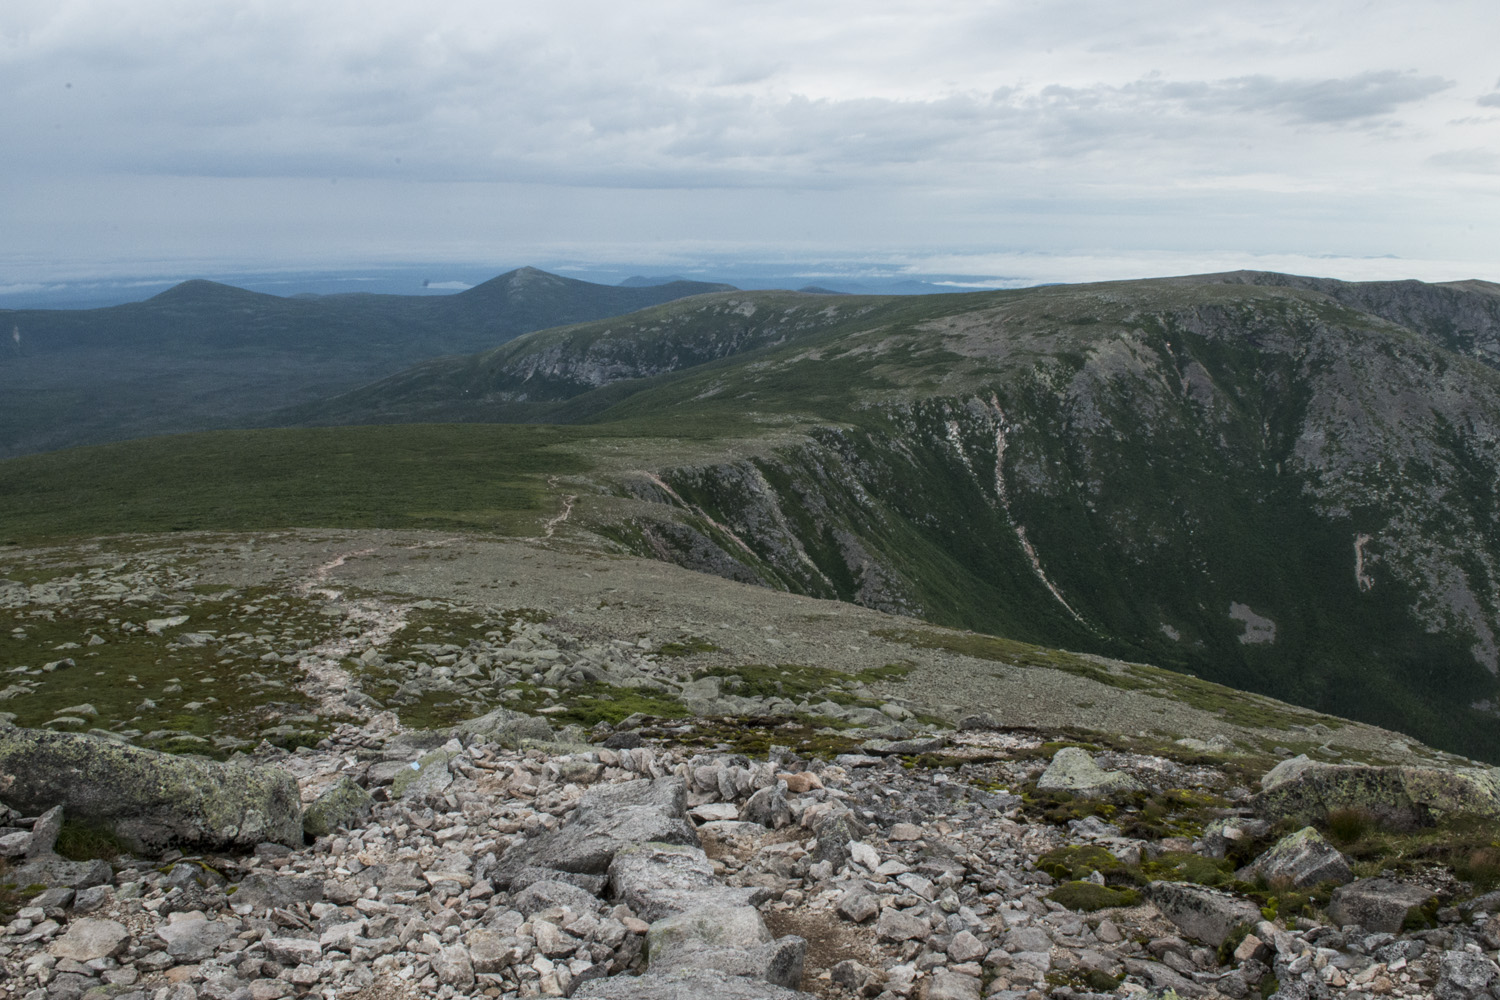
{"x":202,"y":354}
{"x":1260,"y":482}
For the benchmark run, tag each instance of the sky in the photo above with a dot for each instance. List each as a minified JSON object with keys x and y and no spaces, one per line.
{"x":1014,"y":141}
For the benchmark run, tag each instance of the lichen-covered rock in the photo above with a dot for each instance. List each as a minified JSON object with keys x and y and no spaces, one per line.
{"x":1307,"y":790}
{"x":608,"y":819}
{"x":44,"y":833}
{"x":60,"y":873}
{"x":425,"y":777}
{"x":731,"y":939}
{"x":91,"y":939}
{"x":697,"y":984}
{"x":1376,"y":904}
{"x":1300,"y":859}
{"x":719,"y":926}
{"x":151,"y":801}
{"x":1200,"y":912}
{"x":663,"y":880}
{"x":267,"y":892}
{"x":343,"y":804}
{"x":505,"y":727}
{"x":768,"y":807}
{"x":545,"y":895}
{"x":1074,"y":770}
{"x":1463,"y":974}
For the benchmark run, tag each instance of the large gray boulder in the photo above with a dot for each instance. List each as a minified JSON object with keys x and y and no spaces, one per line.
{"x":504,"y":726}
{"x":1376,"y":904}
{"x":1306,"y":790}
{"x":1073,"y":770}
{"x":152,"y":801}
{"x":731,"y":939}
{"x":1300,"y":860}
{"x":608,"y":819}
{"x":1202,"y":913}
{"x":1463,"y":974}
{"x":91,"y":939}
{"x":61,"y":873}
{"x":269,"y":892}
{"x":696,"y":984}
{"x":664,"y":880}
{"x":343,"y":804}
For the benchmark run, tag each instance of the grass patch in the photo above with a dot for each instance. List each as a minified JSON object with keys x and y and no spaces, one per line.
{"x":1348,"y":826}
{"x":1468,"y":846}
{"x":477,"y":476}
{"x":808,"y":736}
{"x":1241,"y":708}
{"x":1171,"y":813}
{"x":796,"y":682}
{"x":79,"y":841}
{"x":592,"y":703}
{"x":686,"y":647}
{"x":1009,"y":651}
{"x":11,"y":896}
{"x":1077,"y":862}
{"x":201,"y":686}
{"x":1237,"y":707}
{"x":1181,"y":866}
{"x":437,"y":710}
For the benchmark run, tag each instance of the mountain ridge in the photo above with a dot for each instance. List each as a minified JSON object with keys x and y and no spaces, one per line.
{"x":1259,"y":484}
{"x":204,"y":354}
{"x":1035,"y":463}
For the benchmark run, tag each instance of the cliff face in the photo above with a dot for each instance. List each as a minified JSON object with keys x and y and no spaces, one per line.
{"x":1267,"y":489}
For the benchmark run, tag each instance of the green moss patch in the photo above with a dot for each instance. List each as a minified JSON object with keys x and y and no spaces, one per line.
{"x":1079,"y":861}
{"x":688,"y":646}
{"x":207,"y":685}
{"x":1088,"y":897}
{"x":589,"y":704}
{"x":807,"y":737}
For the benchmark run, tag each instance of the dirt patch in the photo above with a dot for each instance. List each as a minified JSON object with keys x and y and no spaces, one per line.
{"x":829,"y":942}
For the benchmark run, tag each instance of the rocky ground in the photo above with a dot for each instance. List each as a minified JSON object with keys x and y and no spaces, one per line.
{"x":474,"y":869}
{"x":530,"y":769}
{"x":212,"y":642}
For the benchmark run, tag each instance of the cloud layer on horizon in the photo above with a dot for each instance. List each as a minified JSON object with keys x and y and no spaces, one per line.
{"x":1253,"y":123}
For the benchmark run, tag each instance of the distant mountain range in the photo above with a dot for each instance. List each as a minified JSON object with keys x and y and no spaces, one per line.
{"x":203,"y":354}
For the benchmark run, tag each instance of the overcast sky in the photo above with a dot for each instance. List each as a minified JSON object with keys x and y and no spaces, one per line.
{"x":1037,"y":140}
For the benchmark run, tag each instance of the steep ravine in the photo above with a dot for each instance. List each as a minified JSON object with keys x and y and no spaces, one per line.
{"x":1269,"y":500}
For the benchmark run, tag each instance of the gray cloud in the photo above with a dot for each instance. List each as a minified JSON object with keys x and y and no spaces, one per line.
{"x":1022,"y":118}
{"x":1325,"y":102}
{"x":1473,"y":161}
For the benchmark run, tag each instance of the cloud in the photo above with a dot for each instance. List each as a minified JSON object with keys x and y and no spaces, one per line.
{"x":1327,"y":102}
{"x":1490,"y":100}
{"x":981,"y":121}
{"x":1471,"y":161}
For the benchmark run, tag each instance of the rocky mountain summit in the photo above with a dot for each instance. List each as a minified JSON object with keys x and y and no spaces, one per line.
{"x":438,"y":765}
{"x":472,"y":862}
